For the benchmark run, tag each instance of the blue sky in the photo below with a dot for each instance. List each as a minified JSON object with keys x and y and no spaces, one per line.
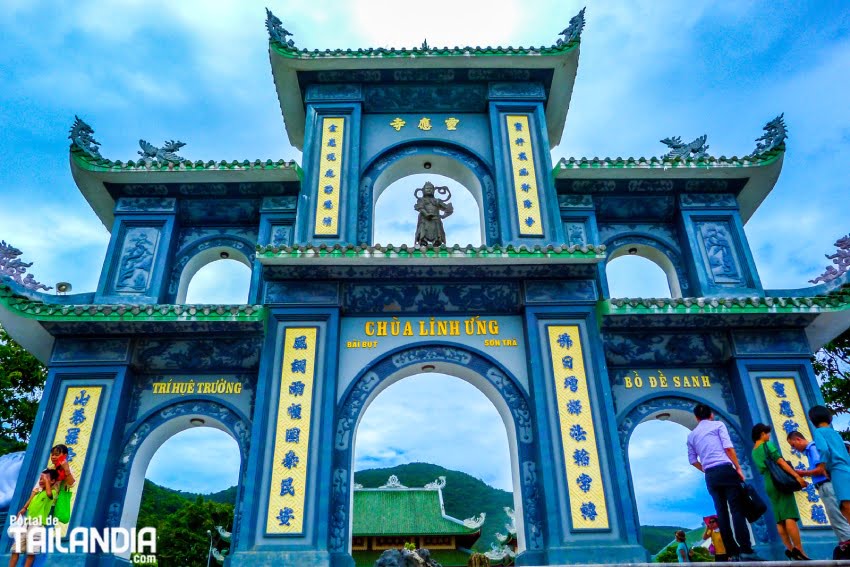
{"x":199,"y":72}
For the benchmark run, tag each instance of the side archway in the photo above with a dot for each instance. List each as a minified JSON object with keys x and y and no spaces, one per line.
{"x":201,"y":252}
{"x":679,"y":409}
{"x":506,"y":393}
{"x":451,"y":161}
{"x":148,"y":436}
{"x":669,"y":260}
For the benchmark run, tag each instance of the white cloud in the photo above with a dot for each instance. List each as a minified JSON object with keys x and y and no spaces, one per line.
{"x":200,"y":460}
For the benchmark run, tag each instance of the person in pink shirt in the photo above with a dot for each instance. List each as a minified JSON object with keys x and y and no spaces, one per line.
{"x":710,"y":451}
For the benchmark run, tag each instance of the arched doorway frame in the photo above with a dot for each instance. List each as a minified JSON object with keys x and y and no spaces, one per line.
{"x":657,"y":252}
{"x":493,"y":380}
{"x":636,"y":413}
{"x":151,"y":431}
{"x":453,"y":161}
{"x":190,"y":259}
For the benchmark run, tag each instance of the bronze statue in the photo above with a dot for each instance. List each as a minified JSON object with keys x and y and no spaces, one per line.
{"x":432,"y":210}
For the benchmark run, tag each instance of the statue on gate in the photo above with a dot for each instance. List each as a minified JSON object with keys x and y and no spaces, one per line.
{"x":432,"y":210}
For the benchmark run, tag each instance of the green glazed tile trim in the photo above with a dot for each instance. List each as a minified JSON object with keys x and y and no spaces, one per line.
{"x":89,"y":163}
{"x":51,"y":312}
{"x":764,"y":159}
{"x":404,"y":251}
{"x":384,"y":53}
{"x":728,"y":305}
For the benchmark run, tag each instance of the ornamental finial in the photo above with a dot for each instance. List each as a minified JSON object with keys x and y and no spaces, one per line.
{"x":168,"y":151}
{"x":439,"y":483}
{"x":82,"y":136}
{"x":774,"y":135}
{"x":424,"y":45}
{"x":393,"y":482}
{"x":276,"y":30}
{"x":475,"y":522}
{"x":694,"y":150}
{"x":573,"y":31}
{"x":12,"y":267}
{"x":841,"y":258}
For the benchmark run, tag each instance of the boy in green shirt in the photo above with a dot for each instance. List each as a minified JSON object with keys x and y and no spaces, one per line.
{"x":37,"y":511}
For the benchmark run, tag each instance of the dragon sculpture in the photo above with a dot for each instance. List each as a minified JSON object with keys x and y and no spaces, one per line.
{"x":276,"y":30}
{"x":168,"y":151}
{"x":14,"y":268}
{"x":841,"y":259}
{"x":694,"y":150}
{"x":82,"y":136}
{"x":774,"y":135}
{"x":573,"y":31}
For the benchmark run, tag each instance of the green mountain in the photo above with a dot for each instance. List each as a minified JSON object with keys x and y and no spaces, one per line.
{"x":655,"y":538}
{"x":463,"y":497}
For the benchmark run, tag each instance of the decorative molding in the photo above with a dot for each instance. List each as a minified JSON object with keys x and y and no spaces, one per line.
{"x":433,"y":298}
{"x":146,"y":205}
{"x":775,"y":134}
{"x":516,"y":91}
{"x":696,"y":149}
{"x":841,"y":258}
{"x":393,"y":482}
{"x":13,"y":268}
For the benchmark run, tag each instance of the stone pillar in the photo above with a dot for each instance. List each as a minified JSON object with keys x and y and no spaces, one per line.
{"x":528,"y":211}
{"x":285,"y":507}
{"x":138,"y":257}
{"x":588,"y":503}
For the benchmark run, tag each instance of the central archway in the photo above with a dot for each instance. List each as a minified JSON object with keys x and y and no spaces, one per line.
{"x":500,"y":387}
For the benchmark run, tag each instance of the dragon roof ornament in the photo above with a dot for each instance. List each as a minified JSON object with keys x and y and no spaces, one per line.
{"x":775,"y":134}
{"x":167,"y":153}
{"x":393,"y":482}
{"x":276,"y":30}
{"x":440,"y":483}
{"x":475,"y":522}
{"x":82,"y":136}
{"x":12,"y":267}
{"x":694,"y":150}
{"x":499,"y":552}
{"x":841,"y":259}
{"x":573,"y":31}
{"x":223,"y":533}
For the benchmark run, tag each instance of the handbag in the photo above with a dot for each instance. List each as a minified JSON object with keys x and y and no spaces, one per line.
{"x":62,"y":508}
{"x":783,"y":481}
{"x":711,"y":549}
{"x":752,"y":503}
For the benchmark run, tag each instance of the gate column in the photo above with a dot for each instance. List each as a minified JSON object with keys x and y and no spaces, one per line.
{"x":588,"y":501}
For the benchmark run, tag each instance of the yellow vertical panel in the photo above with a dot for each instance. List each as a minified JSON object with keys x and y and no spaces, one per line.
{"x":75,"y":427}
{"x":578,"y":434}
{"x":524,"y":175}
{"x":286,"y":510}
{"x":329,"y":182}
{"x":787,"y":414}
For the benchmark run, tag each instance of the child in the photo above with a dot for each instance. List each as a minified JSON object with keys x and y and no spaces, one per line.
{"x":682,"y":552}
{"x":37,"y":511}
{"x":712,"y":530}
{"x":825,"y":487}
{"x":59,"y":459}
{"x":833,"y":455}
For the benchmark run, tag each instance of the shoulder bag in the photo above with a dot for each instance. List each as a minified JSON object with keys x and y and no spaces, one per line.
{"x":783,"y":481}
{"x":752,"y":503}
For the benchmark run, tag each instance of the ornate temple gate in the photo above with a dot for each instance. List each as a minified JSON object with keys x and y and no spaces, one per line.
{"x":334,"y":317}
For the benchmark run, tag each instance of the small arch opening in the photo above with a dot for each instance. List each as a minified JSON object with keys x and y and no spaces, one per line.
{"x":395,"y":218}
{"x":218,"y":275}
{"x":638,"y":270}
{"x":682,"y":500}
{"x":185,"y":475}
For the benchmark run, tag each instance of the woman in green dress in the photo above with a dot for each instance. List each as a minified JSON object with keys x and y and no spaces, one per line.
{"x":784,"y":506}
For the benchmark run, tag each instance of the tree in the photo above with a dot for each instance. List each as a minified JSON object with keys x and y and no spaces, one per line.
{"x":832,"y":365}
{"x":21,"y":385}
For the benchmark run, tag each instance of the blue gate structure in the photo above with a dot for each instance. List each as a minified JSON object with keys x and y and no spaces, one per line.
{"x":334,"y":317}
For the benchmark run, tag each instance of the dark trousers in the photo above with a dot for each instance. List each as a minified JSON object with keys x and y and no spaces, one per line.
{"x":724,"y":486}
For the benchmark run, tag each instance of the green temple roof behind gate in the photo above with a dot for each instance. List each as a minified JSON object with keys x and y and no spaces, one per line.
{"x":404,"y":512}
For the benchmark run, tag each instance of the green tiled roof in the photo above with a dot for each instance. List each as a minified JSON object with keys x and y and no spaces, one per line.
{"x":589,"y":252}
{"x":384,"y":53}
{"x":838,"y":301}
{"x":665,"y":163}
{"x":402,"y":512}
{"x":87,"y":162}
{"x":54,"y":312}
{"x":445,"y":557}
